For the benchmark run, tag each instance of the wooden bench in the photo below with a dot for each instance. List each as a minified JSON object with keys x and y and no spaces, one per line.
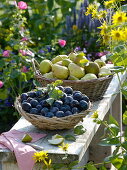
{"x":86,"y":146}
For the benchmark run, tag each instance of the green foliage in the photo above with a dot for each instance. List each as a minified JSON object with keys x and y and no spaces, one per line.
{"x":79,"y":130}
{"x":54,"y":92}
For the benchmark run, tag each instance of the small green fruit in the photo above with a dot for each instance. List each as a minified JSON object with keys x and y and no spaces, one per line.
{"x":89,"y":76}
{"x":92,"y":68}
{"x":57,"y":136}
{"x":59,"y":58}
{"x":48,"y":75}
{"x":72,"y":56}
{"x":72,"y":78}
{"x":45,"y":66}
{"x":60,"y":72}
{"x":66,"y":62}
{"x":26,"y":138}
{"x":100,"y":62}
{"x":76,"y":70}
{"x":56,"y":141}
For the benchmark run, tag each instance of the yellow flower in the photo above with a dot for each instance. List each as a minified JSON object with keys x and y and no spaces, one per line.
{"x":48,"y":162}
{"x":94,"y":13}
{"x":104,"y":28}
{"x":106,"y":38}
{"x":90,"y":9}
{"x":64,"y":146}
{"x":117,"y":34}
{"x":102,"y":14}
{"x":74,"y":27}
{"x":109,"y":4}
{"x":119,"y":17}
{"x":95,"y":115}
{"x":40,"y":156}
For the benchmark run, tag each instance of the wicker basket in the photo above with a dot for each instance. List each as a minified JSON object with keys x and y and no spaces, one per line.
{"x":94,"y":88}
{"x":42,"y":122}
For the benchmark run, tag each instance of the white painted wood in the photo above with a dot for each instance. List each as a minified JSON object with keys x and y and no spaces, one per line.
{"x":77,"y":149}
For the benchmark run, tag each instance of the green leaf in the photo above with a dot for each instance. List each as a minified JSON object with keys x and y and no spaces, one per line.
{"x":84,"y":61}
{"x":50,"y":101}
{"x":124,"y":8}
{"x":102,"y":168}
{"x":112,"y":120}
{"x":125,"y":118}
{"x":90,"y":166}
{"x":117,"y":162}
{"x":114,"y":129}
{"x":124,"y":145}
{"x":70,"y":137}
{"x":2,"y":63}
{"x":119,"y":48}
{"x":110,"y":142}
{"x":50,"y":4}
{"x":58,"y":166}
{"x":125,"y":132}
{"x":3,"y":94}
{"x":73,"y":164}
{"x":123,"y":167}
{"x":124,"y":89}
{"x":57,"y":82}
{"x":117,"y":69}
{"x":78,"y":130}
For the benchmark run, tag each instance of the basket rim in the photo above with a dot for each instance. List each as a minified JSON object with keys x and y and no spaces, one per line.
{"x":17,"y":104}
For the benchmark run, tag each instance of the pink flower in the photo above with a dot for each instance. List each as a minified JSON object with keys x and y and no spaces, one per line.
{"x":6,"y":53}
{"x":22,"y":5}
{"x":24,"y":69}
{"x":23,"y":52}
{"x":24,"y":39}
{"x":1,"y":84}
{"x":62,"y":43}
{"x":26,"y":52}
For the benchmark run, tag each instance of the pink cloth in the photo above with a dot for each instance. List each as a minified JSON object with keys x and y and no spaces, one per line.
{"x":22,"y":151}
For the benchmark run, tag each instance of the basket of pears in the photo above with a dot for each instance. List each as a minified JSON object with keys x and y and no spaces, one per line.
{"x":91,"y":78}
{"x":53,"y":107}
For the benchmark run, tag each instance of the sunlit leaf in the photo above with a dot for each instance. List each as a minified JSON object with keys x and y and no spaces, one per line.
{"x":70,"y":137}
{"x":79,"y":130}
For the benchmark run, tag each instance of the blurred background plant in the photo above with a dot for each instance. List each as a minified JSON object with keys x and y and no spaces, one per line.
{"x":40,"y":29}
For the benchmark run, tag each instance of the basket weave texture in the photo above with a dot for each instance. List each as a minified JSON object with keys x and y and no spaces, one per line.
{"x":94,"y":88}
{"x":54,"y":123}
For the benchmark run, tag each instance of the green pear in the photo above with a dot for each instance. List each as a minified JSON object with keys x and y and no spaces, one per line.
{"x":59,"y":63}
{"x":48,"y":75}
{"x":105,"y":69}
{"x":45,"y":66}
{"x":100,"y":62}
{"x":103,"y":74}
{"x":59,"y":58}
{"x":72,"y":56}
{"x":72,"y":78}
{"x":26,"y":138}
{"x":76,"y":70}
{"x":60,"y":72}
{"x":89,"y":76}
{"x":66,"y":62}
{"x":92,"y":68}
{"x":79,"y":57}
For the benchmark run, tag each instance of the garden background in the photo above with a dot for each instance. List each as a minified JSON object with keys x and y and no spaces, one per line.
{"x":45,"y":29}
